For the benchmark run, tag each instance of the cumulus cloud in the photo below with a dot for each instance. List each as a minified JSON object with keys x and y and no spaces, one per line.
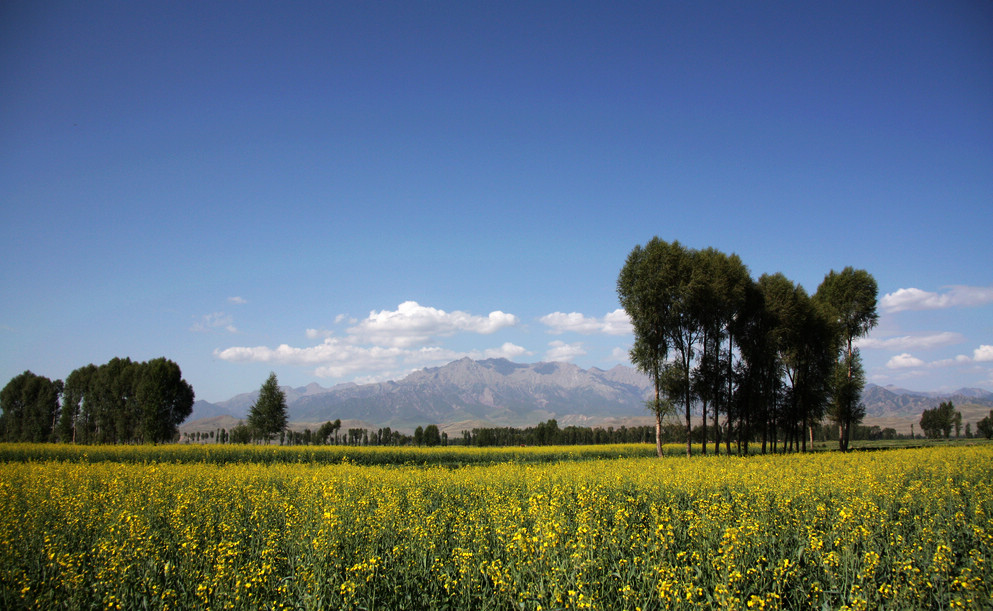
{"x":318,"y":333}
{"x":614,"y":323}
{"x":214,"y":320}
{"x":561,"y":351}
{"x":238,"y":300}
{"x":912,"y":342}
{"x":904,"y":361}
{"x":983,"y":354}
{"x":620,"y":354}
{"x":917,"y":299}
{"x":506,"y":351}
{"x":337,"y":358}
{"x":412,"y":324}
{"x":385,"y":344}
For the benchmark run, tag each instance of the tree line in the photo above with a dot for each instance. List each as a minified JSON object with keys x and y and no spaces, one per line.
{"x":761,"y":358}
{"x":121,"y":401}
{"x":938,"y":422}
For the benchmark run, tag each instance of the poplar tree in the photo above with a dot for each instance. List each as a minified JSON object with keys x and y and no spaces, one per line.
{"x":850,"y":299}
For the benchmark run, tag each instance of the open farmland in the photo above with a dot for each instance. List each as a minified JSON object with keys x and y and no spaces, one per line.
{"x":901,"y":529}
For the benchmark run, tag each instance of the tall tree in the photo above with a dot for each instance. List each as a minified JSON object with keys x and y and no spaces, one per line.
{"x":649,"y":302}
{"x":164,"y":400}
{"x":850,"y":299}
{"x":733,"y":283}
{"x":939,"y":421}
{"x":30,"y":406}
{"x":985,"y":426}
{"x":267,"y":416}
{"x":432,"y":436}
{"x":76,"y":422}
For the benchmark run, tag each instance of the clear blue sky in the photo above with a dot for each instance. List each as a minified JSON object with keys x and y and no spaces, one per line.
{"x":352,"y":190}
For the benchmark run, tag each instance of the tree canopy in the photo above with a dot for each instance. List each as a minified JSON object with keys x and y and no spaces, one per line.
{"x":267,"y":416}
{"x":121,"y":401}
{"x":939,"y":421}
{"x":760,"y":353}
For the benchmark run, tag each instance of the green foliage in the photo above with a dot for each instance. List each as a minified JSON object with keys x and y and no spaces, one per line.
{"x":985,"y":426}
{"x":267,"y":416}
{"x":849,"y":298}
{"x":240,"y":434}
{"x":30,"y":405}
{"x":432,"y":436}
{"x":701,"y":309}
{"x":939,"y":421}
{"x":846,"y":410}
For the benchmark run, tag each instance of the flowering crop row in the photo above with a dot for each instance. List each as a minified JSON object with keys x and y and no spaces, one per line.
{"x":361,"y":455}
{"x":903,"y":529}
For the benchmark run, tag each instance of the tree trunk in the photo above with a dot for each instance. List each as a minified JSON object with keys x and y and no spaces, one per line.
{"x":658,"y":423}
{"x":658,"y":432}
{"x":689,"y":424}
{"x":703,"y":445}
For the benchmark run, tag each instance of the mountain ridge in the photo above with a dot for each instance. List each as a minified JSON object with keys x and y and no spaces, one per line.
{"x":499,"y":392}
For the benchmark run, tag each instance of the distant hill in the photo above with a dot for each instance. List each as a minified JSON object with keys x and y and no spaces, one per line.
{"x":493,"y":392}
{"x":497,"y":392}
{"x":899,"y":408}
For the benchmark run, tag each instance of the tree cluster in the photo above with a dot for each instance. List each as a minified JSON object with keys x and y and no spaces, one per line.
{"x":549,"y":433}
{"x":939,"y":421}
{"x":122,"y":401}
{"x":985,"y":426}
{"x":328,"y":433}
{"x":766,"y":356}
{"x":30,"y":408}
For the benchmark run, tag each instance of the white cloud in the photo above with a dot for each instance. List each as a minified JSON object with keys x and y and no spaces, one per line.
{"x":912,"y":342}
{"x":214,"y":320}
{"x":983,"y":354}
{"x":336,"y":358}
{"x":385,"y":344}
{"x":917,"y":299}
{"x":506,"y":351}
{"x":238,"y":300}
{"x":904,"y":361}
{"x":561,"y":351}
{"x":318,"y":333}
{"x":412,"y":324}
{"x":614,"y":323}
{"x":620,"y":354}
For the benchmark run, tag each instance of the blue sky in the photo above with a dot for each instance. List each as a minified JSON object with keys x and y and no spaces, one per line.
{"x":353,"y":190}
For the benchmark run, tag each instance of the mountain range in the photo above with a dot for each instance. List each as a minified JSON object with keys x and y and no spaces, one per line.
{"x":496,"y":392}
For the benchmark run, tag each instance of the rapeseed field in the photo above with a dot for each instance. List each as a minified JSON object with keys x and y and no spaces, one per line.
{"x":900,"y":529}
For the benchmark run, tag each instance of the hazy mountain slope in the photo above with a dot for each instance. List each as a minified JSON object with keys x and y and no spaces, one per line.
{"x":498,"y":392}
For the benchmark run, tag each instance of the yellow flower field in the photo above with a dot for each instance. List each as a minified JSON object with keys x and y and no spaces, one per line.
{"x":901,"y":529}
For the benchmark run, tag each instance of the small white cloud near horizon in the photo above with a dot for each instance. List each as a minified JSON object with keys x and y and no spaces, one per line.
{"x":318,"y":333}
{"x":238,"y":300}
{"x":912,"y":342}
{"x":384,"y":343}
{"x":621,"y":355}
{"x":214,"y":320}
{"x":982,"y":354}
{"x":917,"y":299}
{"x":412,"y":324}
{"x":904,"y":361}
{"x":613,"y":323}
{"x":563,"y":352}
